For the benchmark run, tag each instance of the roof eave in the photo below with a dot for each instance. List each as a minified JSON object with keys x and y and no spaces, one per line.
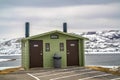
{"x":68,"y":34}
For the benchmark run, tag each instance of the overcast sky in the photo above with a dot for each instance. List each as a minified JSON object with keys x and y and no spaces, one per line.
{"x":48,"y":15}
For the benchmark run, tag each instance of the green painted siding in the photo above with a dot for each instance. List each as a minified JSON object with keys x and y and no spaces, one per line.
{"x":25,"y":55}
{"x":23,"y":51}
{"x":81,"y":53}
{"x":54,"y":48}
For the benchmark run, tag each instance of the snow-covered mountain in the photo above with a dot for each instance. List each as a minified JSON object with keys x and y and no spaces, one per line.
{"x":10,"y":46}
{"x":104,"y":41}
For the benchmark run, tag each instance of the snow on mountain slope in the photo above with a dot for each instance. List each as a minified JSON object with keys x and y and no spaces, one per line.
{"x":104,"y":41}
{"x":10,"y":46}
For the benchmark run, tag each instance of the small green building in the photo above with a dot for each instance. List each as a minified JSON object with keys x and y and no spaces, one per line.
{"x":38,"y":50}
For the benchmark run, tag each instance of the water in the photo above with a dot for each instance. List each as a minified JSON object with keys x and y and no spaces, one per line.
{"x":13,"y":63}
{"x":90,"y":59}
{"x":103,"y":59}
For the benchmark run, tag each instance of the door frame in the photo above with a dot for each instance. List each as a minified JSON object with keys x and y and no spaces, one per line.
{"x":77,"y":63}
{"x":41,"y":65}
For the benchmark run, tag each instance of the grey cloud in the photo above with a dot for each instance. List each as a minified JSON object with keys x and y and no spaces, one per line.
{"x":51,"y":3}
{"x":79,"y":18}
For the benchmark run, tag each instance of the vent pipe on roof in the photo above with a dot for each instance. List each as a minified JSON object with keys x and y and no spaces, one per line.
{"x":65,"y":27}
{"x":27,"y":29}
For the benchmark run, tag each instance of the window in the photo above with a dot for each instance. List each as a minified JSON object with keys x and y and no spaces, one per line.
{"x":47,"y":47}
{"x":61,"y":46}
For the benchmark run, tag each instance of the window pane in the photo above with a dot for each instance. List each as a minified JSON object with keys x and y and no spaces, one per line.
{"x":61,"y":46}
{"x":47,"y":46}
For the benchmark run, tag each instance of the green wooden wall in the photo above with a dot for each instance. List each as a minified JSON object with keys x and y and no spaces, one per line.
{"x":54,"y":48}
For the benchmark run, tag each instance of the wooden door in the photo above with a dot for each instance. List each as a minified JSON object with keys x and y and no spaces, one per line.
{"x":36,"y":53}
{"x":72,"y":53}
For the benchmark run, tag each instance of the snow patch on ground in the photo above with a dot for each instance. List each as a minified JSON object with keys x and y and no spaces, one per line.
{"x":2,"y":68}
{"x":1,"y":60}
{"x":104,"y":66}
{"x":10,"y":54}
